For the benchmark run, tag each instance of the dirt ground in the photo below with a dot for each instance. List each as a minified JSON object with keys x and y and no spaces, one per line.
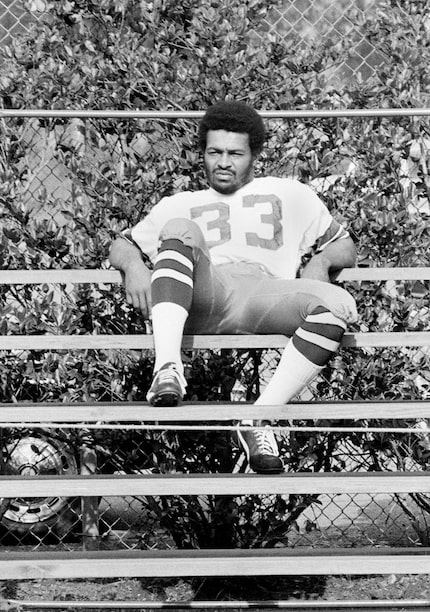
{"x":339,"y":588}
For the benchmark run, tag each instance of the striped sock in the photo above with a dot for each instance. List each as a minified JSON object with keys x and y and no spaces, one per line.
{"x":304,"y":357}
{"x":319,"y":336}
{"x":172,"y":293}
{"x":172,"y":278}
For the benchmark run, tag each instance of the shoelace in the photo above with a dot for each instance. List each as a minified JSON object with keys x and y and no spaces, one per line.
{"x":266,"y":442}
{"x":170,"y":374}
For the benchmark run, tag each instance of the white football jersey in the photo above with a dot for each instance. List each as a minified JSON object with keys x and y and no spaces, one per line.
{"x":270,"y":221}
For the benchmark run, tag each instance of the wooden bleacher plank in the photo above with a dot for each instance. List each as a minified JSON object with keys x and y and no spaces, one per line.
{"x":384,"y":274}
{"x":214,"y":342}
{"x":105,"y":485}
{"x":138,"y":412}
{"x":231,"y":562}
{"x":385,"y":339}
{"x":96,"y":276}
{"x":74,"y":276}
{"x":133,"y":341}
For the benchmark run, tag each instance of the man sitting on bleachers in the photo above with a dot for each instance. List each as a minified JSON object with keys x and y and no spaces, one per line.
{"x":225,"y":261}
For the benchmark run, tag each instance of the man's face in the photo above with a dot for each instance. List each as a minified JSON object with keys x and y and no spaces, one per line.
{"x":229,"y":163}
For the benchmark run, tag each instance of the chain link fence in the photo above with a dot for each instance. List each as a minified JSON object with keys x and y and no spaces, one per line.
{"x":307,"y":21}
{"x":310,"y":21}
{"x":17,"y":16}
{"x":69,"y":184}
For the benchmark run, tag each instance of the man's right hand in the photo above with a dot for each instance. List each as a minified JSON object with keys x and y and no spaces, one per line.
{"x":137,"y":283}
{"x":137,"y":277}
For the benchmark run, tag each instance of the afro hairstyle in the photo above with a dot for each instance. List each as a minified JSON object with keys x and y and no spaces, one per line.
{"x":233,"y":117}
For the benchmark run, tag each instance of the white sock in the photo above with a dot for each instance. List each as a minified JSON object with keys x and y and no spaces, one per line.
{"x":168,"y":320}
{"x":293,"y":373}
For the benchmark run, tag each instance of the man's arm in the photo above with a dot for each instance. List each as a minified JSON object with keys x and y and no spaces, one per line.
{"x":336,"y":255}
{"x":127,"y":258}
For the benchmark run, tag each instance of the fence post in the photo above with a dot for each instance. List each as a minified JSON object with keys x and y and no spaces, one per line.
{"x":89,"y":505}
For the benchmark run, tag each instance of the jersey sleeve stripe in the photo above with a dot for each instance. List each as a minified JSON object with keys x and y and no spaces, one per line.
{"x":334,"y":232}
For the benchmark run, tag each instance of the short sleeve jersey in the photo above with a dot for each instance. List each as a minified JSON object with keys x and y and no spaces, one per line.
{"x":269,"y":221}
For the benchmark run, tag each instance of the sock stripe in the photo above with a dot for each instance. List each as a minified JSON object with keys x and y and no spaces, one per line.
{"x":176,"y":245}
{"x":174,"y":291}
{"x":168,"y":256}
{"x":171,"y":264}
{"x":326,"y":318}
{"x":320,"y":341}
{"x":316,"y":354}
{"x":169,"y":273}
{"x":334,"y":332}
{"x":319,"y":336}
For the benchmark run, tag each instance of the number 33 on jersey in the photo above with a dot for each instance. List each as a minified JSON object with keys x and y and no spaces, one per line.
{"x":269,"y":221}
